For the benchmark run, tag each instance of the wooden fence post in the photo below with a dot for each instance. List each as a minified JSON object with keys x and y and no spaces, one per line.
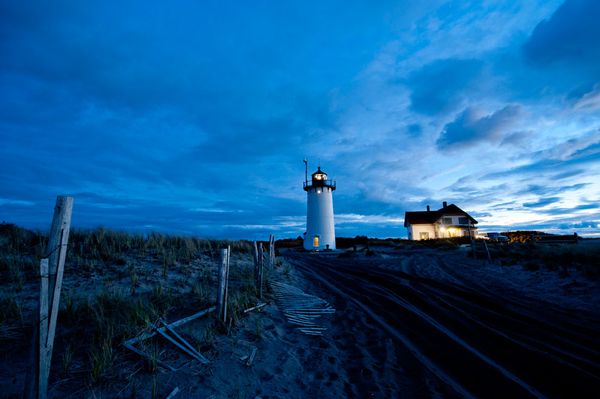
{"x":261,"y":261}
{"x":473,"y":250}
{"x":51,"y":277}
{"x":227,"y":284}
{"x":43,"y":329}
{"x":57,"y":244}
{"x":222,"y":292}
{"x":273,"y":252}
{"x":256,"y":271}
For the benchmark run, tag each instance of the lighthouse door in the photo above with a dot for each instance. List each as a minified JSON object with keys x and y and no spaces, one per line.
{"x":316,"y":242}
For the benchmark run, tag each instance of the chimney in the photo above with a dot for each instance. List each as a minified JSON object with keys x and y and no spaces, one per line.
{"x":445,"y":204}
{"x":427,"y":208}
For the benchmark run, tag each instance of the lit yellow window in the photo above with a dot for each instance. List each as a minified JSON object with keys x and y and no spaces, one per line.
{"x":316,"y":241}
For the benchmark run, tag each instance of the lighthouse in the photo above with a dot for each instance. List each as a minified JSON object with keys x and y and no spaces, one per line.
{"x":320,"y":231}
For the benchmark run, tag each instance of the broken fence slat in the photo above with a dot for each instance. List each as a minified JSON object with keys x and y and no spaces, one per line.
{"x":251,"y":358}
{"x":173,"y":393}
{"x":302,"y":323}
{"x":308,"y":311}
{"x":301,"y":309}
{"x":189,"y":346}
{"x":177,"y":323}
{"x":300,"y":318}
{"x":185,"y":342}
{"x":260,"y":305}
{"x":145,"y":355}
{"x":192,"y":317}
{"x":174,"y":342}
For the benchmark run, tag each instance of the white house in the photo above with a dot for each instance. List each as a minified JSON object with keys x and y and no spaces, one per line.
{"x":448,"y":221}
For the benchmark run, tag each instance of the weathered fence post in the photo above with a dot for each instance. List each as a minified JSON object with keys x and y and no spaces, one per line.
{"x":43,"y":328}
{"x":271,"y":251}
{"x":59,"y":239}
{"x":261,"y":262}
{"x":473,"y":250}
{"x":51,"y":276}
{"x":222,"y":292}
{"x":227,"y":284}
{"x":256,"y":265}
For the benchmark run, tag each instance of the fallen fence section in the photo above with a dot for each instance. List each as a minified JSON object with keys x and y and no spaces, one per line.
{"x":301,"y":309}
{"x":168,"y":332}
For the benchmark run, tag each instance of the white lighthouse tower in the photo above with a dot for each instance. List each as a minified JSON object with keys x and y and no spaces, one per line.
{"x":320,"y":230}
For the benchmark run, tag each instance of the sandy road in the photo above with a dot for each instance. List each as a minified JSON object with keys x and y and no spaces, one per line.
{"x":476,"y":343}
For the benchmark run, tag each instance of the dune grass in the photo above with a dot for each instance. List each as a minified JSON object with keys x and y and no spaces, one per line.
{"x":584,"y":256}
{"x":116,"y":285}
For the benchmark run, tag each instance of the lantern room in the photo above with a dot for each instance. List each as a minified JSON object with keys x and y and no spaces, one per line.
{"x":319,"y":179}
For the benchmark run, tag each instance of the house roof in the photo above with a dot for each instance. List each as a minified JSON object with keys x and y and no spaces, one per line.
{"x":429,"y":217}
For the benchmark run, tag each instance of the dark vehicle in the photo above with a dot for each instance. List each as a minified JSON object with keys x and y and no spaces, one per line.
{"x":497,"y":237}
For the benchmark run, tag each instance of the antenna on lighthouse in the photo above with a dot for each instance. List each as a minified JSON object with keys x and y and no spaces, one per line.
{"x":305,"y":170}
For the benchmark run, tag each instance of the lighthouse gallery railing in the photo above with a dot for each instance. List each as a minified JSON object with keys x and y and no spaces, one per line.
{"x":320,"y":183}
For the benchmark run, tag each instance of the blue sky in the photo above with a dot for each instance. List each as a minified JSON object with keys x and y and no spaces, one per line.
{"x":194,"y":117}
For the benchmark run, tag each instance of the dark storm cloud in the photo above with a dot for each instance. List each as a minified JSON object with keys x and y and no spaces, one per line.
{"x":563,"y":52}
{"x":470,"y":127}
{"x":569,"y":36}
{"x":437,"y":87}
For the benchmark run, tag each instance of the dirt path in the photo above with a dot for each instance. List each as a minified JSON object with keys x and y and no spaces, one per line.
{"x":423,"y":336}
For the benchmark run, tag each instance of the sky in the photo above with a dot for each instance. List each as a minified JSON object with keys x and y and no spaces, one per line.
{"x":193,"y":118}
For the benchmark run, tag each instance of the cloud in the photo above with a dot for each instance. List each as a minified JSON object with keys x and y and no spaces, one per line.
{"x":546,"y":167}
{"x":516,"y":138}
{"x":569,"y":37}
{"x":549,"y":189}
{"x":573,"y":147}
{"x":414,"y":130}
{"x":439,"y":86}
{"x":590,"y":101}
{"x":15,"y":202}
{"x":541,"y":202}
{"x":570,"y":210}
{"x":470,"y":127}
{"x":195,"y":118}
